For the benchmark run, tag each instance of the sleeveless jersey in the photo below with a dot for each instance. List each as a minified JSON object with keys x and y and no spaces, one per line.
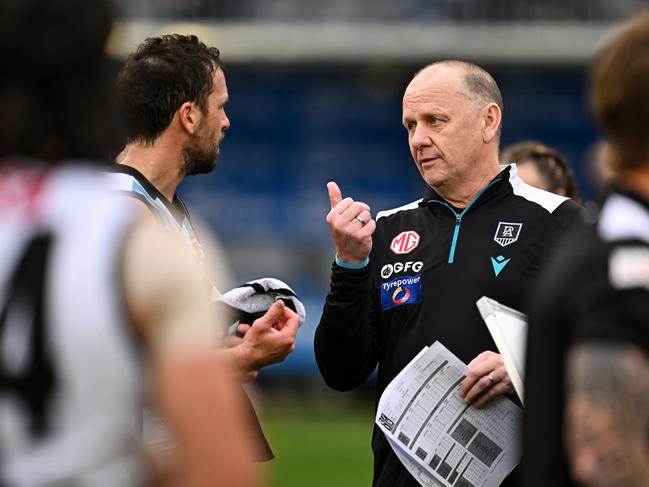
{"x":173,"y":215}
{"x":69,"y":366}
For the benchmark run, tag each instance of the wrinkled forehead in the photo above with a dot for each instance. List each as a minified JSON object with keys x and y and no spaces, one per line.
{"x":436,"y":84}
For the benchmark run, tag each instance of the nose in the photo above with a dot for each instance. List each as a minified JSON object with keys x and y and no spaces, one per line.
{"x":226,"y":123}
{"x":420,"y":137}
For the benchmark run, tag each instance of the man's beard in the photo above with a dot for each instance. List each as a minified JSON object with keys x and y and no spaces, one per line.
{"x":197,"y":159}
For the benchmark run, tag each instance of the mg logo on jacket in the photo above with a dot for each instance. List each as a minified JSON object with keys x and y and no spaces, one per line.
{"x":405,"y":242}
{"x":507,"y":233}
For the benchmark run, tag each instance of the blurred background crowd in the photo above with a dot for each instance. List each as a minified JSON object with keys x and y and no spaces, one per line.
{"x":315,"y":95}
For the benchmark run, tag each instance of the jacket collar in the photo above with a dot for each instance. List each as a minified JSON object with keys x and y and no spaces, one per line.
{"x":494,"y":186}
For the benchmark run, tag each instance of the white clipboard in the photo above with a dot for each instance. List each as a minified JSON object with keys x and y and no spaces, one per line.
{"x":508,"y":328}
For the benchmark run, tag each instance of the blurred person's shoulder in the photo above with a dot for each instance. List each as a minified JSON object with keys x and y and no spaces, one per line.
{"x":599,"y":254}
{"x":68,"y":191}
{"x":624,"y":216}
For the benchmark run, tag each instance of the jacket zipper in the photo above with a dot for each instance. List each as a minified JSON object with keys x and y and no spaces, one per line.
{"x":456,"y":232}
{"x":458,"y":218}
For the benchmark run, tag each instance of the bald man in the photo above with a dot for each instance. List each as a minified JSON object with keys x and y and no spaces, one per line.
{"x":412,"y":275}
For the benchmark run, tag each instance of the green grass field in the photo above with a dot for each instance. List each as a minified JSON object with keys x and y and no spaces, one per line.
{"x":319,"y":449}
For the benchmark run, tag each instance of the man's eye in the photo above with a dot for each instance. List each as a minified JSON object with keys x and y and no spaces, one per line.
{"x":411,"y":126}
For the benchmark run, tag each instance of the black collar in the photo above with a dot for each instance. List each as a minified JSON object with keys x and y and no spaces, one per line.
{"x":431,"y":195}
{"x":176,"y":207}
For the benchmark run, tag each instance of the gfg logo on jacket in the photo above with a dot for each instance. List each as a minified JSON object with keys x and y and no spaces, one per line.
{"x":388,"y":269}
{"x":402,"y":290}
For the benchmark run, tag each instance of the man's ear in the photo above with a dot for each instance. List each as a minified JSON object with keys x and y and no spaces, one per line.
{"x":491,"y":120}
{"x":189,"y":116}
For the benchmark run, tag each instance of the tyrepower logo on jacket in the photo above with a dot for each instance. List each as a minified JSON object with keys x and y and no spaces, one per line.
{"x":405,"y":242}
{"x":399,"y":291}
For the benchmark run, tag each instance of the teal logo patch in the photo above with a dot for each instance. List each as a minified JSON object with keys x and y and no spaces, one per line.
{"x":507,"y":233}
{"x":499,"y":264}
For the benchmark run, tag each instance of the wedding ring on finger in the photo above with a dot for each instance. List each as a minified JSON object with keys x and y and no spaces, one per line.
{"x":360,"y":220}
{"x":491,"y":378}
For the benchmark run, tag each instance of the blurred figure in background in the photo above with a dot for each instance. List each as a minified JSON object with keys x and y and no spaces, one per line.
{"x":599,"y":166}
{"x":542,"y":167}
{"x":97,"y":309}
{"x":587,"y":378}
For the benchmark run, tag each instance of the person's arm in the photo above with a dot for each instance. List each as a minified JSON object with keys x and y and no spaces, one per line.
{"x":245,"y":357}
{"x":167,"y":300}
{"x":346,"y":345}
{"x":607,"y":414}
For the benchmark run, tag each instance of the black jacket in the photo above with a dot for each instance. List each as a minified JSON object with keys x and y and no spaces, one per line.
{"x":594,"y":290}
{"x":429,"y":264}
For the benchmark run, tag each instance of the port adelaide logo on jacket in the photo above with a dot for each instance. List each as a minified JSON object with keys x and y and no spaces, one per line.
{"x":507,"y":233}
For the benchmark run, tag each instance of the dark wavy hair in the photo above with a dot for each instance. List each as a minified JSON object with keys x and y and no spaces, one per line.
{"x":162,"y":74}
{"x":619,"y":92}
{"x":551,"y":165}
{"x":56,"y":93}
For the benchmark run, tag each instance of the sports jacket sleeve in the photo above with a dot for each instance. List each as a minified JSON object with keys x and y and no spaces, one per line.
{"x":564,"y":217}
{"x":346,"y":341}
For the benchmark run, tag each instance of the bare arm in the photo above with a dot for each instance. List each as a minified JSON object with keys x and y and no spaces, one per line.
{"x":168,"y":302}
{"x":607,"y":414}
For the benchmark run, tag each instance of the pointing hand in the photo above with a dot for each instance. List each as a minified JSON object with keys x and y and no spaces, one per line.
{"x":351,"y":226}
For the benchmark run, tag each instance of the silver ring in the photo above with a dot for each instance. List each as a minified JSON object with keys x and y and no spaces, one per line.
{"x":360,"y":220}
{"x":490,"y":377}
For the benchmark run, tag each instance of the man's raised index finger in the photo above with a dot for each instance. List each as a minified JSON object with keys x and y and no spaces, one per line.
{"x":335,"y":196}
